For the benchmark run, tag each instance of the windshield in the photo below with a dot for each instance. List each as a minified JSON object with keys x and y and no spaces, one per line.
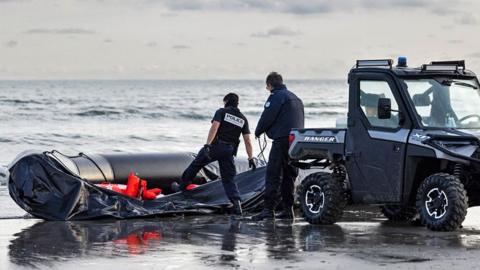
{"x":446,"y":102}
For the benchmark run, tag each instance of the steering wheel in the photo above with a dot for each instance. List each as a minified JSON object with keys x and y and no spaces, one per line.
{"x":468,"y":117}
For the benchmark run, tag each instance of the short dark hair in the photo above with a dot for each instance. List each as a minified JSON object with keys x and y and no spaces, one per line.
{"x":274,"y":79}
{"x":231,"y":99}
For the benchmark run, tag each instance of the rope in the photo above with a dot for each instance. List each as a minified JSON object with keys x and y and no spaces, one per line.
{"x":70,"y":157}
{"x":94,"y":163}
{"x":263,"y":146}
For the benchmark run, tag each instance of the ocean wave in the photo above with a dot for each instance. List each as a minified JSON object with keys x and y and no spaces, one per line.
{"x":49,"y":139}
{"x":19,"y":101}
{"x":138,"y":114}
{"x":69,"y":101}
{"x":133,"y":111}
{"x":95,"y":112}
{"x":5,"y":140}
{"x":194,"y":116}
{"x":326,"y":113}
{"x":66,"y":136}
{"x":326,"y":105}
{"x":252,"y":112}
{"x":154,"y":115}
{"x":134,"y":137}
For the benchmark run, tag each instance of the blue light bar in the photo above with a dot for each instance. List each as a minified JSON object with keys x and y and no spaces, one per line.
{"x":402,"y":61}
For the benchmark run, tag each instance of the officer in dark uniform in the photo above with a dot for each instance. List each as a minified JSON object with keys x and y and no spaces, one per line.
{"x":222,"y":144}
{"x":283,"y":111}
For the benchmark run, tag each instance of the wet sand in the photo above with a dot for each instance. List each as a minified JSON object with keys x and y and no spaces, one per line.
{"x":360,"y":241}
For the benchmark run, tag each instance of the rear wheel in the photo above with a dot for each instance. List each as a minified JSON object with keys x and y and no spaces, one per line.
{"x":322,"y":198}
{"x":398,"y":213}
{"x":442,"y":202}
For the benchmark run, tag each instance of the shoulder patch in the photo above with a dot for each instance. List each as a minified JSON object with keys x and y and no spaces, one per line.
{"x":232,"y":119}
{"x":267,"y":104}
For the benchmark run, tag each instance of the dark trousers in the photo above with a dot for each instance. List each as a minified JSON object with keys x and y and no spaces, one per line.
{"x":280,"y":176}
{"x":223,"y":153}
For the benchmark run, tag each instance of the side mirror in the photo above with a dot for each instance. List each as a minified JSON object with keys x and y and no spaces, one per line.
{"x":384,"y":109}
{"x":421,"y":100}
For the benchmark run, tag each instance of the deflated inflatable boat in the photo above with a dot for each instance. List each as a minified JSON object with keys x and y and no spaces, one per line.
{"x":53,"y":186}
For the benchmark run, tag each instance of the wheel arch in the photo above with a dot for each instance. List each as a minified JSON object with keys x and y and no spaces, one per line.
{"x":417,"y":168}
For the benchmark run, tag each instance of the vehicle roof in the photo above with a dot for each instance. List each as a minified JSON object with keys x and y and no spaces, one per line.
{"x":414,"y":71}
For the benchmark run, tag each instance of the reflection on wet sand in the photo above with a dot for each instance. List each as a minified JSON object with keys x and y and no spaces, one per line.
{"x":219,"y":241}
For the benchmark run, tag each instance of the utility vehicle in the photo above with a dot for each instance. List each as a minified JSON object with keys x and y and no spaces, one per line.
{"x":410,"y":145}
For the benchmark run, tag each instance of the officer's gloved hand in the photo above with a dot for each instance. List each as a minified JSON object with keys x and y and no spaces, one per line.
{"x":206,"y":150}
{"x":251,"y":164}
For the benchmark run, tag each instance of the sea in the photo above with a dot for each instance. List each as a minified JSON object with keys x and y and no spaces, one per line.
{"x":138,"y":116}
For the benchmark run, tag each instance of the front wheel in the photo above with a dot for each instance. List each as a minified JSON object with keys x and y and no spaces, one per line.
{"x":442,"y":202}
{"x":322,"y":198}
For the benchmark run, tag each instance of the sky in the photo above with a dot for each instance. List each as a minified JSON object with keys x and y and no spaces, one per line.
{"x":228,"y":39}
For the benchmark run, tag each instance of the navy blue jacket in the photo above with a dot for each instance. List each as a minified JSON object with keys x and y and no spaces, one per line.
{"x":282,"y":112}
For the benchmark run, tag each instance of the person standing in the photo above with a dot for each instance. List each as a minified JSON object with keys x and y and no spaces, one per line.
{"x":282,"y":112}
{"x":222,"y":144}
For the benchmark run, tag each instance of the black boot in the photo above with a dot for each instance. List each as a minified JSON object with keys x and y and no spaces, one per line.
{"x":237,"y":208}
{"x":286,"y":213}
{"x":266,"y":214}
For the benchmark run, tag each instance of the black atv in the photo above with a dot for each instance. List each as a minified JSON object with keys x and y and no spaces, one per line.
{"x":410,"y":144}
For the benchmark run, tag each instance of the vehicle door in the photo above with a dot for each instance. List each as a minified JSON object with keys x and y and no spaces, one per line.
{"x":375,"y":147}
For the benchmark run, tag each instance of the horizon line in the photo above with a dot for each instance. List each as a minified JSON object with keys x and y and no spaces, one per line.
{"x":140,"y":79}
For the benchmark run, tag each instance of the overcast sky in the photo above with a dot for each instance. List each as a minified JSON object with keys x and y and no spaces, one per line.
{"x":222,"y":39}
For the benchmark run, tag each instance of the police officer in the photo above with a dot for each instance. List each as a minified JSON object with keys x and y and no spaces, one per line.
{"x":282,"y":112}
{"x":222,"y":143}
